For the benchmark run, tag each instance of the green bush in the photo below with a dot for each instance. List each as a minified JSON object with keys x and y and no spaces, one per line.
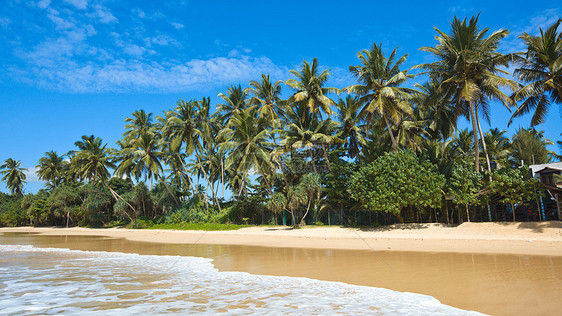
{"x":140,"y":224}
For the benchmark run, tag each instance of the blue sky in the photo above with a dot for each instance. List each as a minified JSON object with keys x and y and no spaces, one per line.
{"x":80,"y":67}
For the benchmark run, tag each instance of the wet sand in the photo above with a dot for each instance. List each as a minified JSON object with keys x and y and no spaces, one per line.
{"x":498,"y":284}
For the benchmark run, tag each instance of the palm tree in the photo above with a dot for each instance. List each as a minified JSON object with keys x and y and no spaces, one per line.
{"x":463,"y":143}
{"x":247,"y":144}
{"x":350,"y":129}
{"x":541,"y":69}
{"x":141,"y":121}
{"x":309,"y":88}
{"x":378,"y":89}
{"x":529,"y":147}
{"x":13,"y":176}
{"x":436,"y":110}
{"x":499,"y":146}
{"x":92,"y":161}
{"x":52,"y":168}
{"x":235,"y":101}
{"x":468,"y":68}
{"x":312,"y":185}
{"x":266,"y":96}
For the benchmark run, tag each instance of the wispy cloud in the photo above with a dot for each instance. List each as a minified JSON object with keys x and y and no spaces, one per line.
{"x":177,"y":25}
{"x":79,"y":4}
{"x":530,"y":26}
{"x":31,"y":175}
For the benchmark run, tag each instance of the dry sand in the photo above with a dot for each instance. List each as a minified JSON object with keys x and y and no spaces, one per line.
{"x":544,"y":238}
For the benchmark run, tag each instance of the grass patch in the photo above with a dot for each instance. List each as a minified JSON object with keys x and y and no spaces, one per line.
{"x":199,"y":226}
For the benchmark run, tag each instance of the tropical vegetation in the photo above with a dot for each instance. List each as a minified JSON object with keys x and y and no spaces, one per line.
{"x":299,"y":152}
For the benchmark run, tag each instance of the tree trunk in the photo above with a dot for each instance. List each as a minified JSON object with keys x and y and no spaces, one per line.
{"x":394,"y":145}
{"x":475,"y":134}
{"x":207,"y":178}
{"x":484,"y":146}
{"x":467,"y":213}
{"x":303,"y":223}
{"x":513,"y":211}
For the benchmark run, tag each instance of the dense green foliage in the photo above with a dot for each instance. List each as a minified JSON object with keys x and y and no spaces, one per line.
{"x":396,"y":181}
{"x":375,"y":151}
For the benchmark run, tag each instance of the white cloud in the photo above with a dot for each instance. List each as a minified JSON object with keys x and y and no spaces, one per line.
{"x":4,"y":21}
{"x":31,"y":175}
{"x":177,"y":25}
{"x":79,"y":4}
{"x":102,"y":14}
{"x":134,"y":75}
{"x":43,"y":4}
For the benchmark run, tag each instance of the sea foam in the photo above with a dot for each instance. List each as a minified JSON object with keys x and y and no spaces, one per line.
{"x":42,"y":281}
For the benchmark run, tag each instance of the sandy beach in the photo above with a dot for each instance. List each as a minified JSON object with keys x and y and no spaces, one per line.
{"x":543,"y":238}
{"x":497,"y":268}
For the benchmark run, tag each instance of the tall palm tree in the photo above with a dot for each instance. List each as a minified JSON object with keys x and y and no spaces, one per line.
{"x":350,"y":130}
{"x":499,"y":146}
{"x":541,"y":70}
{"x":92,"y":161}
{"x":13,"y":175}
{"x":530,"y":147}
{"x":378,"y":89}
{"x":141,"y":121}
{"x":52,"y":168}
{"x":247,"y":144}
{"x":309,"y":88}
{"x":437,"y":110}
{"x":267,"y":96}
{"x":235,"y":100}
{"x":468,"y":67}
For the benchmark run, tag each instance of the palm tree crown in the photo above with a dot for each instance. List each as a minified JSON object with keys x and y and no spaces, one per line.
{"x":542,"y":70}
{"x":13,"y":175}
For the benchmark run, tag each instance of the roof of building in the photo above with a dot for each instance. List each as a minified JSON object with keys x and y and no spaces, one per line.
{"x":536,"y":168}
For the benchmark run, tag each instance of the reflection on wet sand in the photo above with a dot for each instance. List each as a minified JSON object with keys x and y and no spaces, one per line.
{"x":494,"y":284}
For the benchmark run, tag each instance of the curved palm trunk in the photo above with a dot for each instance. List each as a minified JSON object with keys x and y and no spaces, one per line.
{"x":394,"y":145}
{"x":117,"y":197}
{"x":484,"y":145}
{"x":303,"y":222}
{"x":475,"y":134}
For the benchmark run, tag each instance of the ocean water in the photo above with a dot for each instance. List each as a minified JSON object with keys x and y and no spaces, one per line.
{"x":46,"y":281}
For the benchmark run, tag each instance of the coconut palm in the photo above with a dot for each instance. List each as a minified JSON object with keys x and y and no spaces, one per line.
{"x":92,"y":161}
{"x":541,"y":70}
{"x":248,"y":146}
{"x":378,"y":89}
{"x":13,"y":175}
{"x":267,"y":96}
{"x":350,"y":130}
{"x":437,"y":110}
{"x":140,"y":121}
{"x":235,"y":100}
{"x":52,"y":168}
{"x":309,"y":88}
{"x":530,"y":147}
{"x":468,"y":68}
{"x":499,"y":146}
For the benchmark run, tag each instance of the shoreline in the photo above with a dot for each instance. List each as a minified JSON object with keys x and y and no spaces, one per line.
{"x":519,"y":238}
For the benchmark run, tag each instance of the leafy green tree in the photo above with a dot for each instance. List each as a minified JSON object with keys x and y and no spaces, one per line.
{"x":378,"y":89}
{"x":296,"y":197}
{"x":468,"y":68}
{"x":395,"y":181}
{"x":277,"y":203}
{"x":464,"y":184}
{"x":541,"y":70}
{"x":514,"y":187}
{"x":13,"y":175}
{"x":64,"y":203}
{"x":311,"y":184}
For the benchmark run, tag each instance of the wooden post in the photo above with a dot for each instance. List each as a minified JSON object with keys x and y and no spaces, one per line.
{"x":558,"y":206}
